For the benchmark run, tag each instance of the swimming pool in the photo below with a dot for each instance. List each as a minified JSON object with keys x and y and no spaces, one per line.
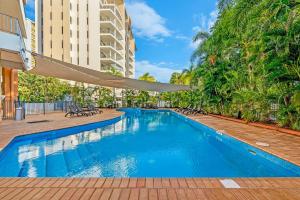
{"x":139,"y":144}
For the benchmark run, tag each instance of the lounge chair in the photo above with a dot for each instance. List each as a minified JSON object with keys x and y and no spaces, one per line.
{"x":82,"y":111}
{"x":73,"y":111}
{"x":94,"y":110}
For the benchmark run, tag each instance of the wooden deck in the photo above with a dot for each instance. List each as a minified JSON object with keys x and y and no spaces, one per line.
{"x":10,"y":129}
{"x":172,"y":189}
{"x":283,"y":145}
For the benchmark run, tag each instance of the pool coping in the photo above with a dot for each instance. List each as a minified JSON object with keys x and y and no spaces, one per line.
{"x":244,"y":142}
{"x":53,"y":131}
{"x":240,"y":139}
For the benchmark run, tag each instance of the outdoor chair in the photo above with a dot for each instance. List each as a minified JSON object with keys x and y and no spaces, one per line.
{"x":73,"y":111}
{"x":82,"y":111}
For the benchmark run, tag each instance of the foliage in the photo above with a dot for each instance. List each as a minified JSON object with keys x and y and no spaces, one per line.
{"x":104,"y":96}
{"x":130,"y":97}
{"x":249,"y":62}
{"x":147,"y":77}
{"x":33,"y":88}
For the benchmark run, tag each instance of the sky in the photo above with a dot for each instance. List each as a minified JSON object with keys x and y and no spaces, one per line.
{"x":163,"y":30}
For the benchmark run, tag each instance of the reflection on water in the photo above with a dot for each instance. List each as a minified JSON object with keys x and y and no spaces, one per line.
{"x":144,"y":144}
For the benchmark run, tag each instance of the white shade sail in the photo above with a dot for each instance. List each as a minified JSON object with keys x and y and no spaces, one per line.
{"x":54,"y":68}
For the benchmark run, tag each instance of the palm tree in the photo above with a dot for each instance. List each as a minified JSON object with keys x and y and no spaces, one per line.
{"x":147,"y":77}
{"x":224,"y":4}
{"x":115,"y":72}
{"x":175,"y":78}
{"x":199,"y":53}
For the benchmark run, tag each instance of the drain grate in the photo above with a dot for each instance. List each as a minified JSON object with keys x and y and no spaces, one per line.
{"x":40,"y":121}
{"x":229,"y":183}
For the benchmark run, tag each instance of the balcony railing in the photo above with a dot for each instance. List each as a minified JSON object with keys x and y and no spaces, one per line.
{"x":10,"y":25}
{"x":111,"y":6}
{"x":113,"y":22}
{"x":111,"y":32}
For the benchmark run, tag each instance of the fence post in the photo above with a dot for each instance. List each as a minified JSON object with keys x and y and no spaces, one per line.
{"x":44,"y":107}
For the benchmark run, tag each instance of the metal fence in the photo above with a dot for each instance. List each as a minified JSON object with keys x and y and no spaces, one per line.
{"x":31,"y":108}
{"x":43,"y":108}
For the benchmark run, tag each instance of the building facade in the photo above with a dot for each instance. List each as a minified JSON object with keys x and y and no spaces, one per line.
{"x":30,"y":41}
{"x":91,"y":33}
{"x":13,"y":55}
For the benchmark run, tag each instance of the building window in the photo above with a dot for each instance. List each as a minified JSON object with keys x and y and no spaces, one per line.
{"x":70,"y":33}
{"x":62,"y":16}
{"x":88,"y":61}
{"x":70,"y":6}
{"x":62,"y":44}
{"x":51,"y":44}
{"x":70,"y":20}
{"x":50,"y":2}
{"x":87,"y":21}
{"x":50,"y":15}
{"x":71,"y":47}
{"x":62,"y":30}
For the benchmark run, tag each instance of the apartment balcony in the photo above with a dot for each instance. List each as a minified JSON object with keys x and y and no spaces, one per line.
{"x":109,"y":8}
{"x":131,"y":58}
{"x":113,"y":60}
{"x":111,"y":49}
{"x":108,"y":23}
{"x":12,"y":47}
{"x":130,"y":52}
{"x":111,"y":36}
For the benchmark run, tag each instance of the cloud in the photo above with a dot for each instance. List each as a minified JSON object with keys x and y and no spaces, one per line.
{"x":162,"y":74}
{"x":147,"y":22}
{"x":205,"y":23}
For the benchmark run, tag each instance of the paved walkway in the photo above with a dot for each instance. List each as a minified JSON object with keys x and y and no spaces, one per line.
{"x":10,"y":129}
{"x":156,"y":189}
{"x":281,"y":144}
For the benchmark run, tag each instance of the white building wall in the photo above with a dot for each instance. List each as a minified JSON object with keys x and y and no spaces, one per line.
{"x":94,"y":34}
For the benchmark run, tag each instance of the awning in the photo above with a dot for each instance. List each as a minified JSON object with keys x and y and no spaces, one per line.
{"x":54,"y":68}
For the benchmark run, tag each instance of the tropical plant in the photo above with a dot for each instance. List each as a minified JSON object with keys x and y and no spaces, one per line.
{"x":34,"y":88}
{"x":249,"y":63}
{"x":147,"y":77}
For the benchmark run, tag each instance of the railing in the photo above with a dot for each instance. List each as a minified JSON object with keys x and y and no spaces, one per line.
{"x":111,"y":6}
{"x":32,"y":108}
{"x":11,"y":25}
{"x":113,"y":22}
{"x":109,"y":31}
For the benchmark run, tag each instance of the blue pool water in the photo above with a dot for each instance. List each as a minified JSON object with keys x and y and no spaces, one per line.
{"x":139,"y":144}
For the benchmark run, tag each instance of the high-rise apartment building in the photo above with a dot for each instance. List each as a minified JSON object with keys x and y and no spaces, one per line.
{"x":91,"y":33}
{"x":30,"y":41}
